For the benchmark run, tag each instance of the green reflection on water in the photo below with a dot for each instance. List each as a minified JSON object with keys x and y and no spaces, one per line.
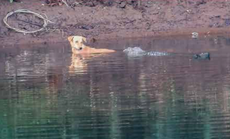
{"x":72,"y":112}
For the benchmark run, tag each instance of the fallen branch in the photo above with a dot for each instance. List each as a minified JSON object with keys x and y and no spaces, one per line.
{"x":45,"y":21}
{"x":63,"y":1}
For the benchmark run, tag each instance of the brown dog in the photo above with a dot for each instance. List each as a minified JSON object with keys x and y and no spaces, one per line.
{"x":78,"y":46}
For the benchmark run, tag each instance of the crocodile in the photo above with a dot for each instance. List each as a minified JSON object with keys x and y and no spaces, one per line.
{"x":137,"y":52}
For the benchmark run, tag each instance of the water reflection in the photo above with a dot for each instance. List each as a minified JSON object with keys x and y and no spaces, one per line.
{"x":79,"y":62}
{"x":48,"y":93}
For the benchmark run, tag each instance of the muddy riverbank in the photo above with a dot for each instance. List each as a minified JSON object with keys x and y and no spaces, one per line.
{"x":120,"y":19}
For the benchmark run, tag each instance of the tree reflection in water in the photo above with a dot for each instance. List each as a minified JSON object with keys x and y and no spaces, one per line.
{"x":114,"y":96}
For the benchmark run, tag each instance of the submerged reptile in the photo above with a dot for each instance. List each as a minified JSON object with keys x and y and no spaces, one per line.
{"x":137,"y":51}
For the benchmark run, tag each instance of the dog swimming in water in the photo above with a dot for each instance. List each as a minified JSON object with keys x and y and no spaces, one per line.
{"x":78,"y":46}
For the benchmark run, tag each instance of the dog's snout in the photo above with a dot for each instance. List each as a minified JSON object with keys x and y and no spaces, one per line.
{"x":80,"y":48}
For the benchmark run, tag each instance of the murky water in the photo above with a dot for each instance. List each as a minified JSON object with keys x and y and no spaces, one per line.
{"x":46,"y":93}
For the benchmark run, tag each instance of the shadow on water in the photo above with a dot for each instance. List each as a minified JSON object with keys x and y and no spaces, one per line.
{"x":48,"y":93}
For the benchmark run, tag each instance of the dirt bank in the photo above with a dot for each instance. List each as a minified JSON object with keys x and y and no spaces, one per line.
{"x":113,"y":19}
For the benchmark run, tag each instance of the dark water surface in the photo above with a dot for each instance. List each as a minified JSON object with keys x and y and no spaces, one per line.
{"x":46,"y":93}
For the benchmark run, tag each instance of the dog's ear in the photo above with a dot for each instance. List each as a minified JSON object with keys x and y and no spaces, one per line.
{"x":70,"y":38}
{"x":84,"y":39}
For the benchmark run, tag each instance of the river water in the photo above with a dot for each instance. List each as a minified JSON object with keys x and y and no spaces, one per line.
{"x":48,"y":93}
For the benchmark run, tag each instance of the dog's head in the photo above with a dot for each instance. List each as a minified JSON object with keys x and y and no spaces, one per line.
{"x":77,"y":42}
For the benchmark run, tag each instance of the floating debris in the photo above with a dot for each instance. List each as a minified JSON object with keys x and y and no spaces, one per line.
{"x":195,"y":35}
{"x":202,"y":56}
